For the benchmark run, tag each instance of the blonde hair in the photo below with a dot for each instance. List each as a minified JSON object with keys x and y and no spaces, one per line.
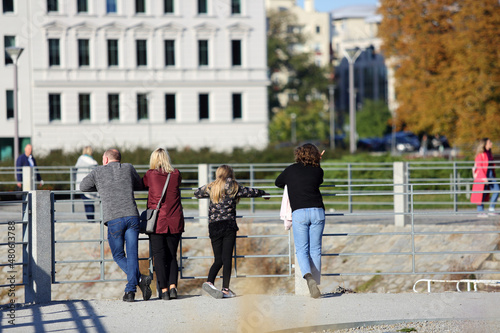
{"x":481,"y":146}
{"x":217,"y":189}
{"x":87,"y":150}
{"x":160,"y":160}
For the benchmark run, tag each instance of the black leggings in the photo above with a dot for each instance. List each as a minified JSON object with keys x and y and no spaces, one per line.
{"x":164,"y":247}
{"x":223,"y":247}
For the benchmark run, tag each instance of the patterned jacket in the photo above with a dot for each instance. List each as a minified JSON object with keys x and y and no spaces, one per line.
{"x":222,"y":215}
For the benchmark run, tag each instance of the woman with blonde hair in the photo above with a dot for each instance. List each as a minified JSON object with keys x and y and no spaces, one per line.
{"x":224,"y":193}
{"x":84,"y":165}
{"x":484,"y":178}
{"x":170,"y":223}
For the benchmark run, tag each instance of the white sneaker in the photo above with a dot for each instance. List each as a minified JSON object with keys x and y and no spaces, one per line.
{"x":228,"y":293}
{"x":492,"y":212}
{"x":212,"y":291}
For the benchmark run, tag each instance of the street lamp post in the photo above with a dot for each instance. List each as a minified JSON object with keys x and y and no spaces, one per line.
{"x":294,"y":128}
{"x":14,"y":52}
{"x":351,"y":56}
{"x":331,"y":89}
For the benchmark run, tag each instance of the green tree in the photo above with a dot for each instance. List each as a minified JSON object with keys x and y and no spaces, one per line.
{"x":446,"y":57}
{"x":311,"y":122}
{"x":373,"y":119}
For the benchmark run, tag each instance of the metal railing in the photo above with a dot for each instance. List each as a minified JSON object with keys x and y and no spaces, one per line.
{"x":351,"y":191}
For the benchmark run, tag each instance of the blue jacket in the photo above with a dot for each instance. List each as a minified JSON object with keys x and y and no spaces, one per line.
{"x":22,"y":160}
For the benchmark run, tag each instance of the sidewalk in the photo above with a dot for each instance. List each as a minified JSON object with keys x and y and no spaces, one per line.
{"x":250,"y":313}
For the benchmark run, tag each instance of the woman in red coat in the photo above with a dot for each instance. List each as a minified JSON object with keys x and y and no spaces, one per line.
{"x":170,"y":224}
{"x":484,"y":178}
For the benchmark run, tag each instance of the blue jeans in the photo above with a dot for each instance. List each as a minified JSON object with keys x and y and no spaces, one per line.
{"x":308,"y":225}
{"x":494,"y":187}
{"x":89,"y":207}
{"x":122,"y":232}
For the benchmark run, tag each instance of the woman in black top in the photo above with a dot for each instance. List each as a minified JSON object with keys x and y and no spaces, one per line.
{"x":303,"y":179}
{"x":224,"y":194}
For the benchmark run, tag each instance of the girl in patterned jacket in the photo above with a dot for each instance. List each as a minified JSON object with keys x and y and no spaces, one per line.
{"x":224,"y":193}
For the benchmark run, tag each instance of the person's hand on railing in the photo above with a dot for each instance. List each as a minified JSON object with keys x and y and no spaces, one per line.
{"x":266,"y":196}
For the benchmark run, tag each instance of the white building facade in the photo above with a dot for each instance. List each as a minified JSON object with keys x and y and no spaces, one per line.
{"x":144,"y":73}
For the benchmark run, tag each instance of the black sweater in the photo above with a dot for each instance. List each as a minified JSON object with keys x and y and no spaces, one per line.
{"x":303,"y":183}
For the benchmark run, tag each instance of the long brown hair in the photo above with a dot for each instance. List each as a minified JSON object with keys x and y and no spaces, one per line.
{"x":307,"y":154}
{"x":217,"y":188}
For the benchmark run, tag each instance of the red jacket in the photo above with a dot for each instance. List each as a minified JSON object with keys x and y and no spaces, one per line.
{"x":481,"y":165}
{"x":171,"y":216}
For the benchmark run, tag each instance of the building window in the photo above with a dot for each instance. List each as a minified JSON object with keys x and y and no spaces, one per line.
{"x":52,"y":6}
{"x":113,"y":107}
{"x":203,"y":104}
{"x":54,"y":57}
{"x":82,"y":6}
{"x":169,"y":6}
{"x":142,"y":106}
{"x":235,"y":6}
{"x":141,"y":52}
{"x":169,"y":106}
{"x":83,"y":52}
{"x":318,"y":29}
{"x":140,"y":6}
{"x":237,"y":106}
{"x":236,"y":52}
{"x":111,"y":6}
{"x":203,"y":52}
{"x":202,"y":7}
{"x":169,"y":53}
{"x":54,"y":107}
{"x":112,"y":52}
{"x":8,"y":41}
{"x":10,"y":104}
{"x":84,"y":106}
{"x":8,"y":6}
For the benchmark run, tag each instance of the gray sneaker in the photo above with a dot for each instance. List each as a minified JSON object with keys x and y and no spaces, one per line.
{"x":212,"y":291}
{"x":228,"y":293}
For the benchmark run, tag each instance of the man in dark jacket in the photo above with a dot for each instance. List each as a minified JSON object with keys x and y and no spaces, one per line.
{"x":116,"y":183}
{"x":26,"y":159}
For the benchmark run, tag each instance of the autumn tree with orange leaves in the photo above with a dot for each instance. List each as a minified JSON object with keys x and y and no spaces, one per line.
{"x":446,"y":55}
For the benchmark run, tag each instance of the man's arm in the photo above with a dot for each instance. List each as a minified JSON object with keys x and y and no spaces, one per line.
{"x":88,"y":183}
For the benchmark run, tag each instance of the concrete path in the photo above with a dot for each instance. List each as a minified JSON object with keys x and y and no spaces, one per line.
{"x":249,"y":313}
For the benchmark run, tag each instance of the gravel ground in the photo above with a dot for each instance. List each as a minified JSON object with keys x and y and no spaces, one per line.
{"x":448,"y":326}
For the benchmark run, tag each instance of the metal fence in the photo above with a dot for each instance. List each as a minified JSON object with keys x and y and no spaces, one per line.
{"x":351,"y":193}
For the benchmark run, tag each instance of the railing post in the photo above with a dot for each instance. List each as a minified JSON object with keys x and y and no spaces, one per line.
{"x":29,"y":291}
{"x":28,"y":174}
{"x":400,"y":176}
{"x":252,"y":181}
{"x":41,"y":259}
{"x":301,"y":287}
{"x":203,"y":203}
{"x":349,"y":188}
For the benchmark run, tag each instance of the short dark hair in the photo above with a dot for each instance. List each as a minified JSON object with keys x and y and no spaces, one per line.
{"x":307,"y":154}
{"x":113,"y":154}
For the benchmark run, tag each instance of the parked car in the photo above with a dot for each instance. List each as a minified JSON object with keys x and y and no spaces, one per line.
{"x":404,"y":141}
{"x":371,"y":144}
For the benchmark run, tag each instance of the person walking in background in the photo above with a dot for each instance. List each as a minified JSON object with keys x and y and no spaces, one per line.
{"x":84,"y":165}
{"x":116,"y":183}
{"x":224,"y":193}
{"x":303,"y":179}
{"x":170,"y":223}
{"x":484,"y":178}
{"x":26,"y":159}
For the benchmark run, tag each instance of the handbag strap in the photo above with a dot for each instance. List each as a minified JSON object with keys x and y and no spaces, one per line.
{"x":164,"y":190}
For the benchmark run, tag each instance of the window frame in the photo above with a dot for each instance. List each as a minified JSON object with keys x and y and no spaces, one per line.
{"x":203,"y":53}
{"x":113,"y":107}
{"x":169,"y":52}
{"x":9,"y":97}
{"x":12,"y":42}
{"x":236,"y":58}
{"x":54,"y":54}
{"x":111,"y":6}
{"x":202,"y":7}
{"x":80,"y":4}
{"x":237,"y":106}
{"x":170,"y":113}
{"x":83,"y":52}
{"x":113,"y":53}
{"x":235,"y":4}
{"x":142,"y":4}
{"x":52,"y":6}
{"x":142,"y":107}
{"x":84,"y":107}
{"x":141,"y":52}
{"x":203,"y":106}
{"x":169,"y":3}
{"x":11,"y":6}
{"x":54,"y":108}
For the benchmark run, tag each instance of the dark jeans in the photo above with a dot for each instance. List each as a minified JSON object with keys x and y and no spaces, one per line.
{"x":223,"y":247}
{"x":89,"y":207}
{"x":164,"y":247}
